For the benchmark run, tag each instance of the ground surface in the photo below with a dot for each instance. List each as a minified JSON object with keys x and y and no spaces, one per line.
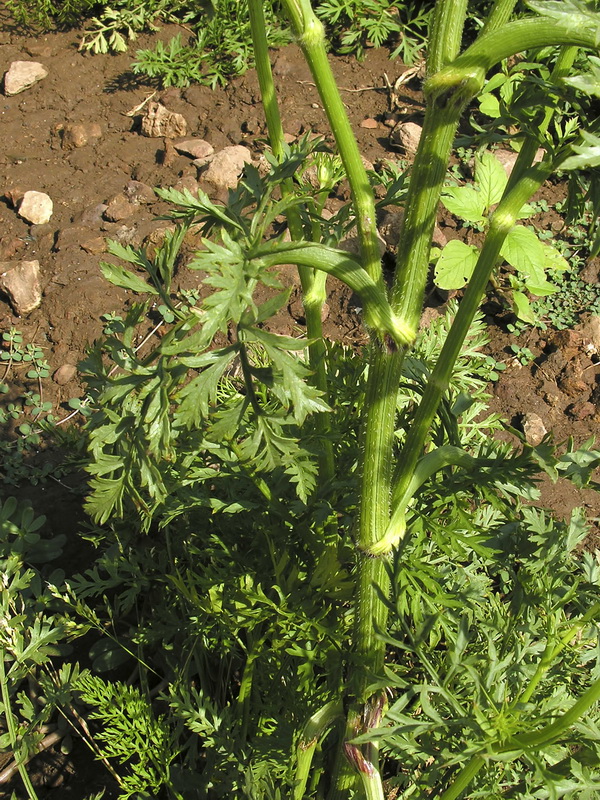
{"x":560,"y":385}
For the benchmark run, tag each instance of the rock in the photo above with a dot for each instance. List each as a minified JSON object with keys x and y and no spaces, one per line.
{"x":159,"y":121}
{"x":226,"y":166}
{"x":407,"y":135}
{"x":14,"y":195}
{"x":91,"y":216}
{"x":94,"y":246}
{"x":20,"y":281}
{"x":36,"y":207}
{"x":10,"y":246}
{"x":534,"y":429}
{"x":196,"y":148}
{"x":71,"y":237}
{"x":118,"y":208}
{"x":23,"y":74}
{"x":590,"y":330}
{"x":140,"y":193}
{"x":369,"y":123}
{"x":391,"y":224}
{"x":508,"y":157}
{"x":39,"y":50}
{"x":581,"y":410}
{"x":64,"y":374}
{"x":75,"y":135}
{"x":187,"y":182}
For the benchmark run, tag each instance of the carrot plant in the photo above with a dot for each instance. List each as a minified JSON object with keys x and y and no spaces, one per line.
{"x":314,"y":556}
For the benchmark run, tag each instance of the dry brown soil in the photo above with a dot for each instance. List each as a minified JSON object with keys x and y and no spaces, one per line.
{"x":561,"y":385}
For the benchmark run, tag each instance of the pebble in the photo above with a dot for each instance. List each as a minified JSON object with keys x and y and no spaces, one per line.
{"x":226,"y":166}
{"x":118,"y":208}
{"x":23,"y":74}
{"x":20,"y":281}
{"x":370,"y":123}
{"x":534,"y":429}
{"x":78,"y":135}
{"x":159,"y":121}
{"x":582,"y":410}
{"x":407,"y":135}
{"x":64,"y":374}
{"x":140,"y":193}
{"x":94,"y":246}
{"x":36,"y":207}
{"x":196,"y":148}
{"x":508,"y":158}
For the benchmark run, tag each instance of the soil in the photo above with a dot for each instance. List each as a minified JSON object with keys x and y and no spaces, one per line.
{"x":560,"y":384}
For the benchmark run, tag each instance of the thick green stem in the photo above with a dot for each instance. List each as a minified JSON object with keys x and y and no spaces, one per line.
{"x":499,"y":15}
{"x":314,"y":729}
{"x":446,"y":33}
{"x":512,"y":38}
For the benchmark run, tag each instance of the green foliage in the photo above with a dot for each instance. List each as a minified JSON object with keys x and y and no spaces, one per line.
{"x":489,"y":666}
{"x":31,"y":634}
{"x":25,"y":414}
{"x":532,"y":259}
{"x":47,"y":13}
{"x":359,"y":23}
{"x":220,"y":49}
{"x":573,"y":297}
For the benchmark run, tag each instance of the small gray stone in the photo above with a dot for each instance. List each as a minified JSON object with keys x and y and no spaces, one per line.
{"x":36,"y":207}
{"x":64,"y":374}
{"x":23,"y":74}
{"x":534,"y":429}
{"x":20,"y":281}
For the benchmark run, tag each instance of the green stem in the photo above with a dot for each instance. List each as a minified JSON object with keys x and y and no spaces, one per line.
{"x":313,"y":285}
{"x":314,"y":729}
{"x":471,"y":67}
{"x":502,"y":220}
{"x":12,"y":731}
{"x":552,"y":732}
{"x":309,"y":31}
{"x":446,"y":33}
{"x":552,"y":652}
{"x":499,"y":15}
{"x":464,"y":778}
